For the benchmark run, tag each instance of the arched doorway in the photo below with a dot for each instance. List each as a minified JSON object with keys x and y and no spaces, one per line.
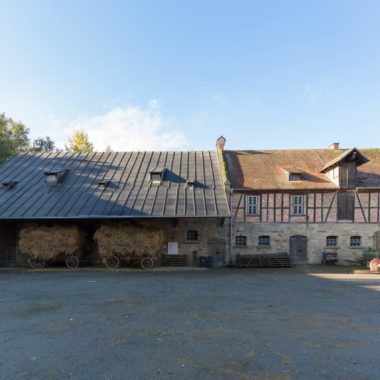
{"x":298,"y":249}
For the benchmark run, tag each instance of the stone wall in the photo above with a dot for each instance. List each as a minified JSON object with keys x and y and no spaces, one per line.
{"x":212,"y":238}
{"x":316,"y":234}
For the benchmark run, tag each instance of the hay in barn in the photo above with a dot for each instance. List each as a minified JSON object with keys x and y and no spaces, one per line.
{"x":47,"y":243}
{"x":124,"y":241}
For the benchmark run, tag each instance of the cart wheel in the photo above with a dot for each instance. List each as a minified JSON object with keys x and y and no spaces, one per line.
{"x":36,"y":263}
{"x":147,"y":263}
{"x":72,"y":262}
{"x":112,"y":262}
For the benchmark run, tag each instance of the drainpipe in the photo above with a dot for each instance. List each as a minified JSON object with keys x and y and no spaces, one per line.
{"x":230,"y":226}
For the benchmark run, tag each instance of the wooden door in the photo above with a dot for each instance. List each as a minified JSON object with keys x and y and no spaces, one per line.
{"x":376,"y":242}
{"x":346,"y":206}
{"x":8,"y":240}
{"x":298,"y":249}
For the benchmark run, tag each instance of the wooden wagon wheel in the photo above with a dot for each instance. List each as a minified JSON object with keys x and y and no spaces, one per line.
{"x":147,"y":263}
{"x":72,"y":262}
{"x":36,"y":263}
{"x":112,"y":262}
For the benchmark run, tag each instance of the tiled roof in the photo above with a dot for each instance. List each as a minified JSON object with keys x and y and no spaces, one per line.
{"x":264,"y":169}
{"x":99,"y":185}
{"x":360,"y":160}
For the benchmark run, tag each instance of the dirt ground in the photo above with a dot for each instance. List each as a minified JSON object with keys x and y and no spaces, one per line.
{"x":298,"y":323}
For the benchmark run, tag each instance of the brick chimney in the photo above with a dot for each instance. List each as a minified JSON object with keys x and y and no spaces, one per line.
{"x":220,"y":142}
{"x":333,"y":146}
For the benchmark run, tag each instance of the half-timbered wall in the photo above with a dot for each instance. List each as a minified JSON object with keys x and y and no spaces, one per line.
{"x":319,"y":207}
{"x":358,"y":215}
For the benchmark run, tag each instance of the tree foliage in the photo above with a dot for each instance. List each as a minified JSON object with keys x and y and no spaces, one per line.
{"x":14,"y":137}
{"x":43,"y":145}
{"x":79,"y":143}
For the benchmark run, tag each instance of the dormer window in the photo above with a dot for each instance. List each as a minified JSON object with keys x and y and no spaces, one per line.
{"x":53,"y":177}
{"x":103,"y":184}
{"x":294,"y":174}
{"x":190,"y":182}
{"x":9,"y":185}
{"x":294,"y":177}
{"x":157,"y":175}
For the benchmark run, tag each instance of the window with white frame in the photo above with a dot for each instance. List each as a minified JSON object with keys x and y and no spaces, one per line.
{"x":240,"y":241}
{"x":252,"y":205}
{"x":264,"y":241}
{"x":331,"y":241}
{"x":355,"y":241}
{"x":297,"y":205}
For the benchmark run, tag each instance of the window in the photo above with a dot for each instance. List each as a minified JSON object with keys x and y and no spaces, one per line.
{"x":264,"y":241}
{"x":331,"y":241}
{"x":192,"y":235}
{"x":294,"y":177}
{"x":53,"y":177}
{"x":157,"y":175}
{"x":240,"y":241}
{"x":252,"y":205}
{"x":355,"y":241}
{"x":297,"y":205}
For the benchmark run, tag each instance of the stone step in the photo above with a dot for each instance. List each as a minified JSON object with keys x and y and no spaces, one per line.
{"x":263,"y":261}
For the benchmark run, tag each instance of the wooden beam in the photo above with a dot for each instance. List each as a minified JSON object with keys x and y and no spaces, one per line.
{"x":361,"y":207}
{"x":245,"y":207}
{"x":330,"y":206}
{"x":322,"y":207}
{"x":369,"y":207}
{"x":238,"y":206}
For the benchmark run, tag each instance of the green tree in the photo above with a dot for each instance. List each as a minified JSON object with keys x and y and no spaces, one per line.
{"x":14,"y":137}
{"x":43,"y":145}
{"x":79,"y":143}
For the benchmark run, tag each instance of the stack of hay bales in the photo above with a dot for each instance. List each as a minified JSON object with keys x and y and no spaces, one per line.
{"x":125,"y":241}
{"x":48,"y":243}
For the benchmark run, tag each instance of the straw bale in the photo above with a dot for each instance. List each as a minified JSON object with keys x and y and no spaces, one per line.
{"x":47,"y":243}
{"x":124,"y":240}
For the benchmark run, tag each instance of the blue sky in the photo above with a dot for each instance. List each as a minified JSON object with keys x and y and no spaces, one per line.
{"x":176,"y":75}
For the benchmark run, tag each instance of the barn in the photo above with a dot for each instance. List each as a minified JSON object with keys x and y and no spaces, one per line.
{"x":179,"y":194}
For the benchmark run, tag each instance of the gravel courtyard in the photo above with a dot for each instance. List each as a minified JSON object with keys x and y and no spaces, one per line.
{"x":216,"y":324}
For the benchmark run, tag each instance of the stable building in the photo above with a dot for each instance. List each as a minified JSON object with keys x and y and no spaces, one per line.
{"x":178,"y":193}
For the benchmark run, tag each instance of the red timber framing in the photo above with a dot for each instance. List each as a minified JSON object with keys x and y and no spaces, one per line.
{"x":319,"y":207}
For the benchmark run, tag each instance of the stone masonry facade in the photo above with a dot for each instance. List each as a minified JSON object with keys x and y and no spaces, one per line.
{"x":316,"y":235}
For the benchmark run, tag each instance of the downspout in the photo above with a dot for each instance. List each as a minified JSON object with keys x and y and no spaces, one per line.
{"x":230,"y":237}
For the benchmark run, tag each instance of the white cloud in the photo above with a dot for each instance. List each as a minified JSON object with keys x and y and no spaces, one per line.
{"x":129,"y":128}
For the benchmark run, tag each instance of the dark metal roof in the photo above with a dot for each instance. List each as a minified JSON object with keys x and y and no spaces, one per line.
{"x":129,"y":191}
